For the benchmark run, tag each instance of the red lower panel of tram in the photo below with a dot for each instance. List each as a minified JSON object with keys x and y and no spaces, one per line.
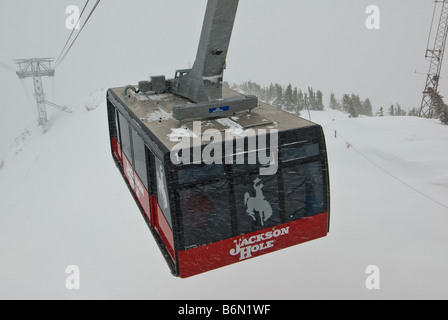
{"x":223,"y":253}
{"x":116,"y":149}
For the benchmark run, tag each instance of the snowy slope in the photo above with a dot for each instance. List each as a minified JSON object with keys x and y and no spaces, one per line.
{"x":64,"y":203}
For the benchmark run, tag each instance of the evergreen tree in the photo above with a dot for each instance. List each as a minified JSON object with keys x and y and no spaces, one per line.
{"x":367,"y":109}
{"x":288,"y":98}
{"x":399,"y":112}
{"x":334,"y":103}
{"x":444,"y":115}
{"x":278,"y":101}
{"x":353,"y":110}
{"x":264,"y":95}
{"x":392,"y":110}
{"x":300,"y":101}
{"x":307,"y":101}
{"x":440,"y":107}
{"x":346,"y":103}
{"x":381,"y":112}
{"x":295,"y":100}
{"x":271,"y":94}
{"x":356,"y":106}
{"x":320,"y":100}
{"x":312,"y":99}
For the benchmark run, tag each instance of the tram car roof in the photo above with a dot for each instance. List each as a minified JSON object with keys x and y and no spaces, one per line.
{"x":154,"y":111}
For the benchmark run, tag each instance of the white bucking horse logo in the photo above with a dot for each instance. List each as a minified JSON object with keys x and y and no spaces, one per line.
{"x":258,"y":204}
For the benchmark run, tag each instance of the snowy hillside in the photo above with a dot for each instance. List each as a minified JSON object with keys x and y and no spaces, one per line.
{"x":63,"y":202}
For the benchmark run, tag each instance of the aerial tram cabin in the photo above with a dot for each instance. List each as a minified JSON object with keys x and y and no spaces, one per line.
{"x":219,"y":176}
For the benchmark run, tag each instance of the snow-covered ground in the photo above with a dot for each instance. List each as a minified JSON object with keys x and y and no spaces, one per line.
{"x":63,"y":202}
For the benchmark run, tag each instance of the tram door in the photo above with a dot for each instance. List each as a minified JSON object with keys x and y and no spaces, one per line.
{"x":115,"y":133}
{"x":160,"y":204}
{"x":134,"y":159}
{"x":145,"y":175}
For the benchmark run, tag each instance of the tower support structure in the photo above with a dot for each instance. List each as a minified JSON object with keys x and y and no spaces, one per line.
{"x":435,"y":56}
{"x":37,"y":68}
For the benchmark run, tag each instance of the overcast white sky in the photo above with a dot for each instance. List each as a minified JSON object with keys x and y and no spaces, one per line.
{"x":323,"y":44}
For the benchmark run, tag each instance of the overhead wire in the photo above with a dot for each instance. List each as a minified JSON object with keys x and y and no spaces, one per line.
{"x":80,"y":31}
{"x":389,"y":173}
{"x":62,"y":55}
{"x":73,"y":31}
{"x":432,"y":27}
{"x":400,"y":180}
{"x":7,"y":67}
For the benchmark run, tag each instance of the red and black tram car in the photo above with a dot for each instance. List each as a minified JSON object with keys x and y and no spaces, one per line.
{"x":205,"y":216}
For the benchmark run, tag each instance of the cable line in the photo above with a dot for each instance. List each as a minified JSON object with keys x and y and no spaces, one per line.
{"x":432,"y":26}
{"x":7,"y":67}
{"x":399,"y":180}
{"x":389,"y":173}
{"x":82,"y":28}
{"x":73,"y":31}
